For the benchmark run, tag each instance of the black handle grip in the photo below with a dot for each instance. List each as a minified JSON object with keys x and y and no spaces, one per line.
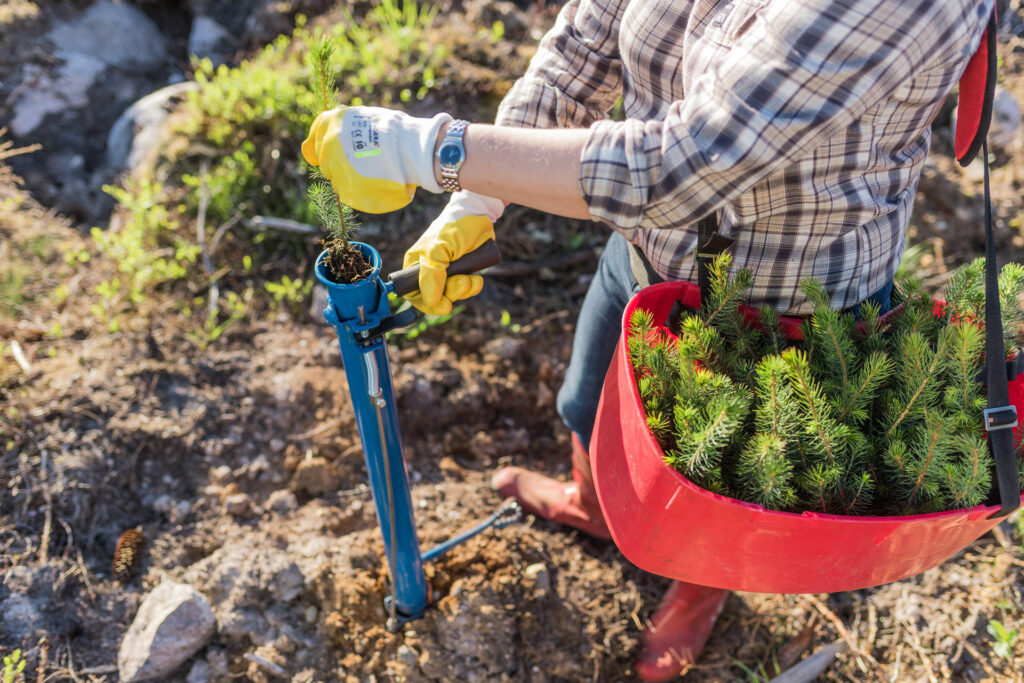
{"x":486,"y":255}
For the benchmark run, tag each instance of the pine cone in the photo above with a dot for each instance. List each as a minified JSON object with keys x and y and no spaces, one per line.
{"x":128,"y":554}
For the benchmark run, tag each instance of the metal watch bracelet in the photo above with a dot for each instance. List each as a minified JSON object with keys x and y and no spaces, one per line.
{"x":450,"y":168}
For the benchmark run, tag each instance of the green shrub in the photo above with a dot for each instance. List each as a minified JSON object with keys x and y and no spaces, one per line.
{"x":252,"y":118}
{"x":145,"y":249}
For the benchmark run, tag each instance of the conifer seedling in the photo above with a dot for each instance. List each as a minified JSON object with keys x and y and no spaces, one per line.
{"x":879,"y":415}
{"x":345,"y":263}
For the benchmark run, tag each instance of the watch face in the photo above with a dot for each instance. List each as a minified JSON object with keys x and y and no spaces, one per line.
{"x":450,"y":155}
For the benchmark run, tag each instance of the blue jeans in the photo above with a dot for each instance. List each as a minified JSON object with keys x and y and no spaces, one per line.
{"x":597,"y":334}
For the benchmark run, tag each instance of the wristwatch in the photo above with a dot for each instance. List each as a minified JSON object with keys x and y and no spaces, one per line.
{"x":451,"y":155}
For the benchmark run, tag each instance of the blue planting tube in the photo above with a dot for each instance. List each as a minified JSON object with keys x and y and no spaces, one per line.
{"x":356,"y":313}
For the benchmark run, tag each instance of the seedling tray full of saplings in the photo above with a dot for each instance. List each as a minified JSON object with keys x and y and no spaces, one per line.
{"x":880,"y":415}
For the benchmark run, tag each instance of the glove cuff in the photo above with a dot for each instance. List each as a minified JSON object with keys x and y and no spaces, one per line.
{"x":466,"y":203}
{"x":423,"y":161}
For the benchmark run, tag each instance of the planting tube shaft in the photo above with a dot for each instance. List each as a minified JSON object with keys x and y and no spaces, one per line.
{"x":377,"y":420}
{"x":486,"y":255}
{"x":354,"y":312}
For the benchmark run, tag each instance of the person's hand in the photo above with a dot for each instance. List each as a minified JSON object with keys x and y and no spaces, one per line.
{"x":375,"y":158}
{"x":465,"y":224}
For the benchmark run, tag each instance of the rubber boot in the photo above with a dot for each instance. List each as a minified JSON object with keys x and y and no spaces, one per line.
{"x":573,"y":504}
{"x":678,"y":630}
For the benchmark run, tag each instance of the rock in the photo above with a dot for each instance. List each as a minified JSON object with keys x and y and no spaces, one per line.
{"x":537,"y":580}
{"x":228,"y":490}
{"x":178,"y":513}
{"x":1006,"y":119}
{"x":163,"y":504}
{"x":407,"y":656}
{"x":200,"y":672}
{"x":136,"y":133}
{"x":217,"y":658}
{"x":238,"y":504}
{"x":288,"y":583}
{"x":113,"y":33}
{"x":315,"y":475}
{"x":449,"y":466}
{"x":210,"y":40}
{"x":282,"y":501}
{"x":505,"y":348}
{"x":220,"y":475}
{"x":103,"y":59}
{"x":173,"y":623}
{"x":107,"y":34}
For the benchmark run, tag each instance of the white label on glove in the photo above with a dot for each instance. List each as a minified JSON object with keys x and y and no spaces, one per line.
{"x":365,"y":137}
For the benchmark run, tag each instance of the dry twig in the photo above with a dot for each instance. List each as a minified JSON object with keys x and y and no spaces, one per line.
{"x":845,"y":634}
{"x":44,"y":542}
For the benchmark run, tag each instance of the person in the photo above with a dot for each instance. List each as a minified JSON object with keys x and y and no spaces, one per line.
{"x":802,"y":125}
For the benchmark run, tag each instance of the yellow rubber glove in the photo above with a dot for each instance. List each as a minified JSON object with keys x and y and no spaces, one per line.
{"x":375,"y":158}
{"x":465,"y":224}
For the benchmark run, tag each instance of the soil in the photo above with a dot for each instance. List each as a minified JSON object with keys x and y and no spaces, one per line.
{"x":346,"y":263}
{"x":240,"y":460}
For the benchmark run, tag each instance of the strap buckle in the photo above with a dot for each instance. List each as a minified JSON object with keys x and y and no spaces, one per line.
{"x":1001,"y":417}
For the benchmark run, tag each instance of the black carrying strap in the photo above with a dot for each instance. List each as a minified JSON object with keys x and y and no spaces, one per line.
{"x":710,"y":243}
{"x":1000,"y":416}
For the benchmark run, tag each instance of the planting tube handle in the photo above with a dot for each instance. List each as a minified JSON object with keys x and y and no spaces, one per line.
{"x":486,"y":255}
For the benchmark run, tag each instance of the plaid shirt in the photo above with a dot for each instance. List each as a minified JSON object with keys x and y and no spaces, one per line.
{"x":804,"y":123}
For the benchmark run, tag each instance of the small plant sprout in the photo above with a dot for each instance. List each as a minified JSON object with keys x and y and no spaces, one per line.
{"x":14,"y":666}
{"x":1003,"y":639}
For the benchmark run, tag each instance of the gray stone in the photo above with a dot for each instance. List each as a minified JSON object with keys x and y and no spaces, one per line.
{"x":315,"y":475}
{"x":105,"y":35}
{"x":1006,"y":119}
{"x":210,"y":40}
{"x":282,"y":501}
{"x":51,"y":92}
{"x":136,"y":132}
{"x":112,"y":33}
{"x":200,"y":672}
{"x":173,"y":623}
{"x":407,"y":656}
{"x":505,"y":348}
{"x":288,"y":583}
{"x":237,"y":504}
{"x":537,"y":580}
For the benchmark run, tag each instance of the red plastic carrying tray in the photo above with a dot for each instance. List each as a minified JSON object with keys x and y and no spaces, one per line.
{"x":666,"y":525}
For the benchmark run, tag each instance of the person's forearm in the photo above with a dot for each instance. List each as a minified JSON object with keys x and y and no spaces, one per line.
{"x":539,"y":168}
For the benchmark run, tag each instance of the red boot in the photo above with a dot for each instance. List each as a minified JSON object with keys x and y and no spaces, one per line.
{"x":678,"y":630}
{"x":573,"y":504}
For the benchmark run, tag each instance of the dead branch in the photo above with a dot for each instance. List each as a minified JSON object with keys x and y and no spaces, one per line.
{"x":44,"y":542}
{"x":265,"y":222}
{"x":841,"y":629}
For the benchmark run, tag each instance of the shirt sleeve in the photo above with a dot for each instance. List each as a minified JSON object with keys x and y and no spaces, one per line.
{"x":797,"y":73}
{"x":576,"y":75}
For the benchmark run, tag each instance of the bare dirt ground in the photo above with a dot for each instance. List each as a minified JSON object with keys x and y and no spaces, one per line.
{"x":242,"y":465}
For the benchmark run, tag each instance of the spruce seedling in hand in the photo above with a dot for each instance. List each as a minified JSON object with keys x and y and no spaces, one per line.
{"x":345,"y":263}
